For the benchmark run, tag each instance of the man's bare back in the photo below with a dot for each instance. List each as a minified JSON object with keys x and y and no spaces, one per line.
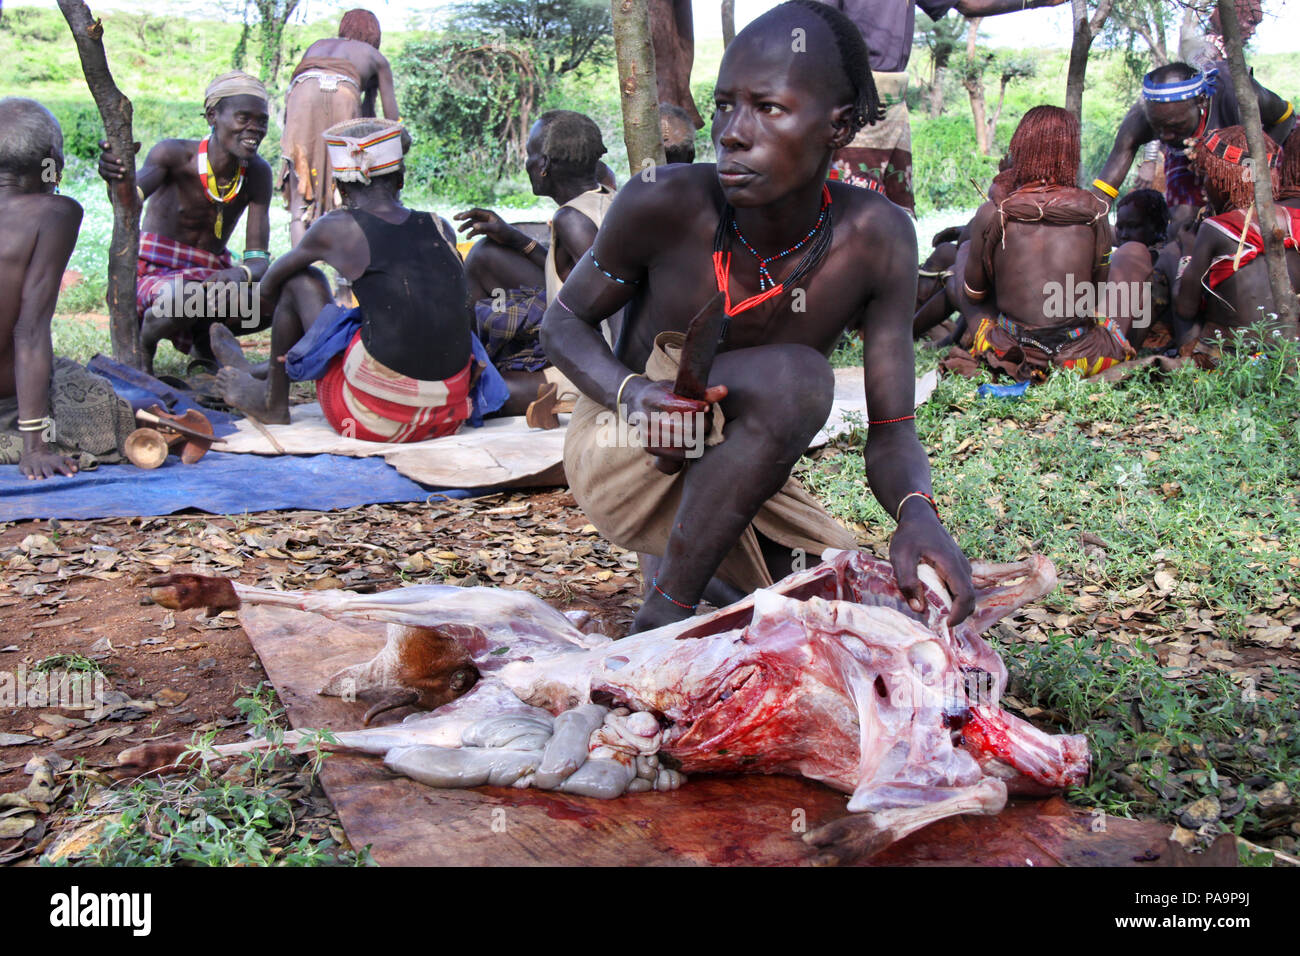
{"x":32,"y":260}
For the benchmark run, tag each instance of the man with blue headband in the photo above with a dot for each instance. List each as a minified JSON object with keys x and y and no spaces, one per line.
{"x":1180,"y":103}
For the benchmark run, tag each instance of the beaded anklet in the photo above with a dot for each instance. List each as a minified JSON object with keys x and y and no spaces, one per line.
{"x":687,"y":607}
{"x":891,"y":421}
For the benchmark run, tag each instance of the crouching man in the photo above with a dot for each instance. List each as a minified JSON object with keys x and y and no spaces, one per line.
{"x":196,"y":192}
{"x":782,"y":249}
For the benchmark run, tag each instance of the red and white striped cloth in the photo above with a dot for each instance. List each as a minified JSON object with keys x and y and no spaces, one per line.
{"x":363,"y":398}
{"x":162,"y":259}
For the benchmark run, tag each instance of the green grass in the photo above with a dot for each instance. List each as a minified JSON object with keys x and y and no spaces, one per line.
{"x":71,"y":662}
{"x":244,"y":817}
{"x":1193,"y":476}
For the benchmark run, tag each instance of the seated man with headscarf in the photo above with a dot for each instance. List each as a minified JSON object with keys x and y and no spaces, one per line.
{"x":1223,"y":286}
{"x":1042,"y":253}
{"x":196,"y":192}
{"x":1179,"y":104}
{"x":55,"y":416}
{"x":398,"y":368}
{"x":337,"y":79}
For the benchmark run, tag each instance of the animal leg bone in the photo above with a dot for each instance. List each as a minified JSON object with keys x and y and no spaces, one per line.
{"x":862,"y":835}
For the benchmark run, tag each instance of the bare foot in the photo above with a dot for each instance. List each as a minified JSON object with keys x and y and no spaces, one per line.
{"x":227,"y":349}
{"x":240,"y":390}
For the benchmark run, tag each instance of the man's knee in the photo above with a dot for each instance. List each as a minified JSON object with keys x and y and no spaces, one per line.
{"x":308,"y":287}
{"x":479,"y":262}
{"x":792,"y":392}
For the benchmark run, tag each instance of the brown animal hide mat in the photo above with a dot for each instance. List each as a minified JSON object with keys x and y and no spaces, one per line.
{"x":746,"y":820}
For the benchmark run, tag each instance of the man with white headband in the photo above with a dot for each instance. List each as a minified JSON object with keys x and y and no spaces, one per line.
{"x":399,"y":367}
{"x":1179,"y":104}
{"x":196,"y":192}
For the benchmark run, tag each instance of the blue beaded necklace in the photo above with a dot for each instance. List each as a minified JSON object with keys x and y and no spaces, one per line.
{"x":765,"y":280}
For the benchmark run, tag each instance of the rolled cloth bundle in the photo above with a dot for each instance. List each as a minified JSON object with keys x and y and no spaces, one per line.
{"x":361,"y":149}
{"x":234,"y":83}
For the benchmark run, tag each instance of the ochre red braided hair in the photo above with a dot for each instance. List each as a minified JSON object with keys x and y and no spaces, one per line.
{"x":1233,"y":179}
{"x":1044,"y":149}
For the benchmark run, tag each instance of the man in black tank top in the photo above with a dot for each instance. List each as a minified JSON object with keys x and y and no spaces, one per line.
{"x":404,"y":373}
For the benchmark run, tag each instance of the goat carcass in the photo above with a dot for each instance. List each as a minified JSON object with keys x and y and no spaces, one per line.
{"x":828,"y":674}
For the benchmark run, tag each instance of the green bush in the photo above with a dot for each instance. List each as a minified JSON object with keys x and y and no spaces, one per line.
{"x":944,"y":160}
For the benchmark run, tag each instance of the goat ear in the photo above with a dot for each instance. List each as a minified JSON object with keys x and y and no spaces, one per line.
{"x":181,"y":592}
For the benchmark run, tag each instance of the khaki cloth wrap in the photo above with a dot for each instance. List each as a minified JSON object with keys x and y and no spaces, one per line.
{"x":634,"y":504}
{"x":325,"y":90}
{"x":90,"y":421}
{"x":593,"y":204}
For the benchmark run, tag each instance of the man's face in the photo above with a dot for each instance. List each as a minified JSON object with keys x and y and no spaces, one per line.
{"x":534,"y":163}
{"x":1132,"y":226}
{"x":1175,"y":122}
{"x":239,"y":125}
{"x":773,"y":111}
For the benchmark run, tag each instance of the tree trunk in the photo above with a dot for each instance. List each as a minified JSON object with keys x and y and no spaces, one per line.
{"x":1085,"y":31}
{"x":116,"y":112}
{"x":936,"y":91}
{"x":728,"y":22}
{"x":975,"y":90}
{"x":1279,"y":279}
{"x":637,"y":84}
{"x":997,"y":111}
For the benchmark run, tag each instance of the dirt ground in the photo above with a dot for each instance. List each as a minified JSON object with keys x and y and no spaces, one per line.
{"x":78,"y":588}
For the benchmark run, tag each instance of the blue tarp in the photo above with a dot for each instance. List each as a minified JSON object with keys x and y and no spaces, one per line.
{"x":219,"y":484}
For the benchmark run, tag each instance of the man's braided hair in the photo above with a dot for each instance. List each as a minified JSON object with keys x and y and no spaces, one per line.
{"x":853,"y":61}
{"x":571,"y":141}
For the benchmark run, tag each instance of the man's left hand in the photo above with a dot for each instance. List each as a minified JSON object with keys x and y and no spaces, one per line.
{"x":920,"y":537}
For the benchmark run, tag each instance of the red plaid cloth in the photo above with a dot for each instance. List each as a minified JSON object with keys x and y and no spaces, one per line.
{"x":357,"y":413}
{"x":162,"y":260}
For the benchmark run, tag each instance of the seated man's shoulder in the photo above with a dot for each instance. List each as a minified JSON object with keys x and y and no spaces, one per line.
{"x":664,"y":200}
{"x":47,"y":209}
{"x":868,"y":216}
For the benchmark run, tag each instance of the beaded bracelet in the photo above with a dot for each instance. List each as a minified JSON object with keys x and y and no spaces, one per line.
{"x":687,"y":607}
{"x":898,"y":514}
